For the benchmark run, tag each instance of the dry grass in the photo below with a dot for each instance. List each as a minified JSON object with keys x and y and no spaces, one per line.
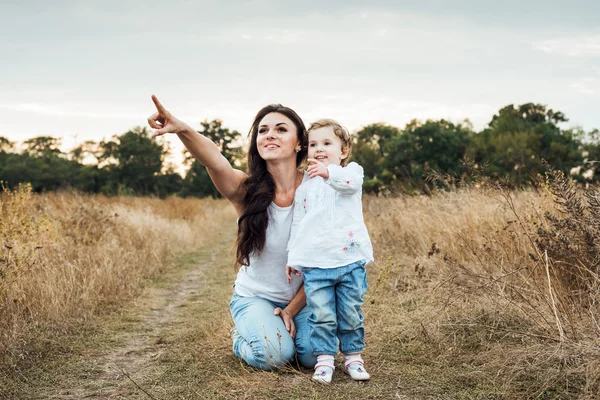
{"x":477,"y":293}
{"x":469,"y":281}
{"x":65,"y":257}
{"x":459,"y":307}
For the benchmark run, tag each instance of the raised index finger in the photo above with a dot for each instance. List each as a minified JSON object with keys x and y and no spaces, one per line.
{"x":312,"y":160}
{"x":159,"y":106}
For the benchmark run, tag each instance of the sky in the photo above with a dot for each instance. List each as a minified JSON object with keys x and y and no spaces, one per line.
{"x":85,"y":70}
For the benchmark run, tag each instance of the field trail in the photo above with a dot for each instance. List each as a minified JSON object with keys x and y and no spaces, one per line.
{"x":143,"y":348}
{"x":116,"y":372}
{"x":173,"y":342}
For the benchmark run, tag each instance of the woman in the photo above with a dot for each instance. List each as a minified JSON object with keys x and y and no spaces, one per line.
{"x":270,"y":316}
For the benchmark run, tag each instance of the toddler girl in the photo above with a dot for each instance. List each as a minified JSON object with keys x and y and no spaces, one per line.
{"x":330,"y":244}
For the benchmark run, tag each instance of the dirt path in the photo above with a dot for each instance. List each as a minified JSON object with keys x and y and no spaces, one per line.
{"x":173,"y":343}
{"x":121,"y":366}
{"x":116,"y":372}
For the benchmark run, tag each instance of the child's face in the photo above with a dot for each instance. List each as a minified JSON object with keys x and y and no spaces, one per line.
{"x":325,"y":146}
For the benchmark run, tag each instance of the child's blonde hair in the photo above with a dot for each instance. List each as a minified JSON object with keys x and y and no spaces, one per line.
{"x":339,"y":131}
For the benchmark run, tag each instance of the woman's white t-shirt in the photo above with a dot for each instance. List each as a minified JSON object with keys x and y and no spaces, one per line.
{"x":265,"y":276}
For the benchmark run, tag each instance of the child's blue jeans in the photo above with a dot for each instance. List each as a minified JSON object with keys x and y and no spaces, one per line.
{"x":335,"y":297}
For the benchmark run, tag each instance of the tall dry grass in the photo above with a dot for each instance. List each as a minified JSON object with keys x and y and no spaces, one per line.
{"x":66,"y":256}
{"x":503,"y":282}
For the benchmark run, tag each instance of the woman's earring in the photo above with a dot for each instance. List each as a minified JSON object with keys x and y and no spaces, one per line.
{"x":298,"y":149}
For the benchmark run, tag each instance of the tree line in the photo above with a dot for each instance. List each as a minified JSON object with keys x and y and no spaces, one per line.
{"x":510,"y":148}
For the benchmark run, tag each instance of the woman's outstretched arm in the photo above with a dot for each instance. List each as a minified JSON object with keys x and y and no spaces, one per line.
{"x":226,"y":178}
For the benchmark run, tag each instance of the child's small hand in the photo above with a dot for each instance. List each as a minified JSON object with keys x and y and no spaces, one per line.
{"x":317,"y":168}
{"x":288,"y":272}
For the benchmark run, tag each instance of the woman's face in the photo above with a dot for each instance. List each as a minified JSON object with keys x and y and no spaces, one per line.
{"x":277,"y":138}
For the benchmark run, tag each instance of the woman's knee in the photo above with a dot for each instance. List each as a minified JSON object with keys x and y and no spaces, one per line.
{"x":287,"y":355}
{"x":269,"y":355}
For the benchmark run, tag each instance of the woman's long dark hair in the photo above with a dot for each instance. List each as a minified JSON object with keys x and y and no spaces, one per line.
{"x":260,"y":188}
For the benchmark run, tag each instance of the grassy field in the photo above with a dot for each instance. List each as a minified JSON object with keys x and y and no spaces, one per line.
{"x":478,"y":293}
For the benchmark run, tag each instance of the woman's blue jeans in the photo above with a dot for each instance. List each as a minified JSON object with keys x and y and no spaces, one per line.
{"x":260,"y":337}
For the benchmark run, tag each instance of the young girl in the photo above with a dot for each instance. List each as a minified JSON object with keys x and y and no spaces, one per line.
{"x":330,"y":244}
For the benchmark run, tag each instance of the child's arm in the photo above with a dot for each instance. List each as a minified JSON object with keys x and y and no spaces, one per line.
{"x":346,"y":180}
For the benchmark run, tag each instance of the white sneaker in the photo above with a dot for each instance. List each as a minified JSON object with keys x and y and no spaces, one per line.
{"x":323,"y":374}
{"x":356,"y":370}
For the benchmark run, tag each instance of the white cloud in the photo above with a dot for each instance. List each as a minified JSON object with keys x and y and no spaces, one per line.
{"x":355,"y":112}
{"x":587,"y":86}
{"x":359,"y":64}
{"x":574,"y":46}
{"x":287,"y":36}
{"x":381,"y":32}
{"x":47,"y":109}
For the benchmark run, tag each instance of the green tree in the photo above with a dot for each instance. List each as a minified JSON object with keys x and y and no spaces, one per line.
{"x":87,"y":149}
{"x":5,"y":144}
{"x":133,"y":161}
{"x":369,"y":150}
{"x":47,"y":172}
{"x":518,"y":138}
{"x":425,"y":147}
{"x":197,"y":182}
{"x":168,"y":183}
{"x":42,"y":164}
{"x":591,"y":152}
{"x":43,"y":146}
